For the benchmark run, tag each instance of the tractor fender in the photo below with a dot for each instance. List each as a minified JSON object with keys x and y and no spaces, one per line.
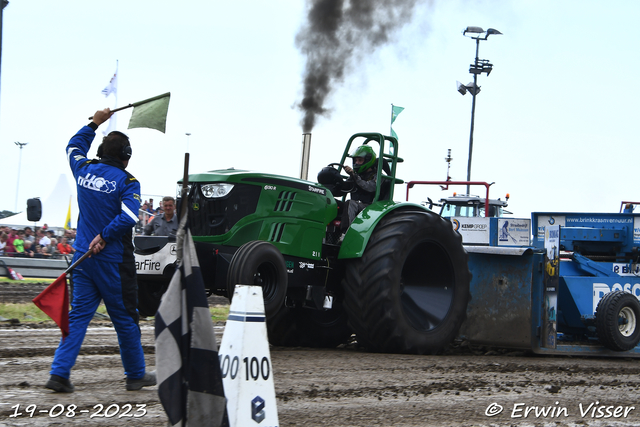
{"x":357,"y":236}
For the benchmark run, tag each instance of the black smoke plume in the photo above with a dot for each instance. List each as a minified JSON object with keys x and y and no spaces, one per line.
{"x":337,"y":34}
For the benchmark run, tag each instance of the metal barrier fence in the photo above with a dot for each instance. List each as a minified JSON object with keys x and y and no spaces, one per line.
{"x":35,"y":267}
{"x":53,"y":268}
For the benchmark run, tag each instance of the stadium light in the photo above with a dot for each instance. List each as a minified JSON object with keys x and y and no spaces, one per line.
{"x":478,"y":67}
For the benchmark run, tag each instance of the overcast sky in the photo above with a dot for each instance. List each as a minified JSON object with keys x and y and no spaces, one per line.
{"x":555,"y":121}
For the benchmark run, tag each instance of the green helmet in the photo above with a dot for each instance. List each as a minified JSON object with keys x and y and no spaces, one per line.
{"x":369,"y":157}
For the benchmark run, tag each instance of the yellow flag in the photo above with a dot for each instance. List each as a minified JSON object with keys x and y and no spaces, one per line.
{"x":67,"y":222}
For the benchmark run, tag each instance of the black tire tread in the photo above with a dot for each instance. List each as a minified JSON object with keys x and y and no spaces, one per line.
{"x":370,"y":300}
{"x":607,"y":327}
{"x":243,"y":267}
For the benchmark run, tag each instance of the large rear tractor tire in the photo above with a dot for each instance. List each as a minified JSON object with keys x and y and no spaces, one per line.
{"x":409,"y":291}
{"x":261,"y":264}
{"x":618,"y":321}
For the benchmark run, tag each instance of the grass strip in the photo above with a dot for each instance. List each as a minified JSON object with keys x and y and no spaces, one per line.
{"x":29,"y":313}
{"x":26,"y":280}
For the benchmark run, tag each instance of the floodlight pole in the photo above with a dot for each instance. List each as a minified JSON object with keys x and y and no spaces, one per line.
{"x":3,"y":4}
{"x":19,"y":144}
{"x":479,"y":66}
{"x":474,"y":92}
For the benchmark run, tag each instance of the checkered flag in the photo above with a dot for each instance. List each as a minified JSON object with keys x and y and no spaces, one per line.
{"x":188,"y":370}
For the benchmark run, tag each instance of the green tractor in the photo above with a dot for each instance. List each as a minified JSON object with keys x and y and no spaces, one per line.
{"x":397,"y":278}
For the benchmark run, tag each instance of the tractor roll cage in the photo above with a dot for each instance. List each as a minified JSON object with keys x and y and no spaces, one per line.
{"x":384,"y":156}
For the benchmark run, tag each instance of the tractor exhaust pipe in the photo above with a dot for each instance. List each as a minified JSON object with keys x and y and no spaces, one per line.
{"x":304,"y":161}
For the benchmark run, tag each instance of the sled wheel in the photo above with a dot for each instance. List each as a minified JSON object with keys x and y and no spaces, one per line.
{"x":261,"y":264}
{"x":409,"y":291}
{"x":617,"y":317}
{"x":149,"y":295}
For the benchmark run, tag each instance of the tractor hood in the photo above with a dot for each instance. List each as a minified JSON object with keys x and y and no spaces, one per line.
{"x":239,"y":175}
{"x":231,"y":206}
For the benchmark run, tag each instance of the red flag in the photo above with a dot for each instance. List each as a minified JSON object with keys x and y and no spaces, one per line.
{"x":54,"y":301}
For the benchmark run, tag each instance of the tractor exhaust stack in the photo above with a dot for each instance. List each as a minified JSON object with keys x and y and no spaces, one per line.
{"x":304,"y":161}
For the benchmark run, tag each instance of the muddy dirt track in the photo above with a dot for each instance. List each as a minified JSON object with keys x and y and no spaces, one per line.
{"x":340,"y":387}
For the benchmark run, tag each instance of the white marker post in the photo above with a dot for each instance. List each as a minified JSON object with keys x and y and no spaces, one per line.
{"x":247,"y":374}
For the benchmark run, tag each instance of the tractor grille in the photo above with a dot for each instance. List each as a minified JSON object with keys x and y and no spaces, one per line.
{"x":212,"y":217}
{"x":276,"y":232}
{"x":285,"y":201}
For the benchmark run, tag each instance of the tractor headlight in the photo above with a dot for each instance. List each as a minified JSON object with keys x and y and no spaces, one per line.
{"x":179,"y":190}
{"x":214,"y":191}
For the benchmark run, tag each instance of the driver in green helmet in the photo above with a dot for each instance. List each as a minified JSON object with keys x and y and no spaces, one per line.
{"x":363,"y":174}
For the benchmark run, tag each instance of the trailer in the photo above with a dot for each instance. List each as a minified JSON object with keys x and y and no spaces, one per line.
{"x":572,"y":289}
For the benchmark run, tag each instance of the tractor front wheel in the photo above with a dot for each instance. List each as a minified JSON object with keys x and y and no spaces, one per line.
{"x":261,"y":264}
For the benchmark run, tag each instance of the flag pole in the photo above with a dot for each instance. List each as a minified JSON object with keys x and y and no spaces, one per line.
{"x":82,"y":258}
{"x":116,"y":91}
{"x":182,"y":232}
{"x":54,"y":300}
{"x":136,"y":104}
{"x":112,"y":120}
{"x":118,"y":109}
{"x":75,"y":264}
{"x":185,"y":183}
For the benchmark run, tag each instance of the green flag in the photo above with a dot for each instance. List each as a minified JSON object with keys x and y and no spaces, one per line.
{"x":395,"y":111}
{"x":151,"y":113}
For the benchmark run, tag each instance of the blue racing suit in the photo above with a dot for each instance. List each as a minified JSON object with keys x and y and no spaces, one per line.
{"x":109,"y":199}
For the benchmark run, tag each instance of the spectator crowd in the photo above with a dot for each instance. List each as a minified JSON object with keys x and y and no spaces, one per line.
{"x":41,"y":243}
{"x":45,"y":242}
